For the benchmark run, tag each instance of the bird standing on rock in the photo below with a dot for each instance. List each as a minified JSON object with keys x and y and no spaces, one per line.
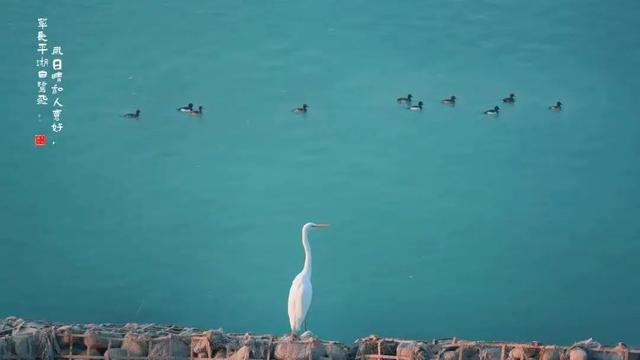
{"x":301,"y":290}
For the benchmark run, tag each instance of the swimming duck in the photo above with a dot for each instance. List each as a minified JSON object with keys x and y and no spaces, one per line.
{"x":188,"y":108}
{"x":510,"y":100}
{"x":133,"y":116}
{"x":556,"y":107}
{"x":404,"y":100}
{"x":449,"y":101}
{"x":416,"y":107}
{"x":302,"y":109}
{"x":493,"y":112}
{"x":197,"y":112}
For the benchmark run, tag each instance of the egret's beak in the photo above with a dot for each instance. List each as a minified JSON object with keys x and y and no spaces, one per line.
{"x":321,"y":225}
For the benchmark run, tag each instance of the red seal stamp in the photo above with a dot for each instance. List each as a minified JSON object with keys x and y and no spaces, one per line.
{"x":40,"y":140}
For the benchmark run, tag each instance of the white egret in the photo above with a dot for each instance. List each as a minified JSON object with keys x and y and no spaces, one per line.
{"x":301,"y":292}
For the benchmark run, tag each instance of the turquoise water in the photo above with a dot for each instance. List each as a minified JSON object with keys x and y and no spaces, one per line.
{"x":445,"y":223}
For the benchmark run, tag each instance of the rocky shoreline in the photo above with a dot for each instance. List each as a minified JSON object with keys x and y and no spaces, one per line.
{"x":30,"y":340}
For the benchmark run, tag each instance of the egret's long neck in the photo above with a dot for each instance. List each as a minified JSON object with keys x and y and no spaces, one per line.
{"x":307,"y":252}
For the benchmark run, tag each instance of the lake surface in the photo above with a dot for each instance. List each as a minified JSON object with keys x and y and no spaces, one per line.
{"x":444,"y":222}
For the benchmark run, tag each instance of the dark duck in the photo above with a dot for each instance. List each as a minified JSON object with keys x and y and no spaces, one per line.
{"x":449,"y":101}
{"x":404,"y":100}
{"x":188,"y":108}
{"x":493,"y":112}
{"x":197,"y":112}
{"x":133,"y":115}
{"x":556,"y":107}
{"x":510,"y":100}
{"x":416,"y":107}
{"x":302,"y":109}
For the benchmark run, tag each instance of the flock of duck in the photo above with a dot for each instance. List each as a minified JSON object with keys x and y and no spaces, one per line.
{"x":511,"y":99}
{"x":185,"y":109}
{"x":451,"y":101}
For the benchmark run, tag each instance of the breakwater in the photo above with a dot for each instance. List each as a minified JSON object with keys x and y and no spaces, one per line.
{"x":40,"y":340}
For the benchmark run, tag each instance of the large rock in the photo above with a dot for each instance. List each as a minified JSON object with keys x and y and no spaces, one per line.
{"x":577,"y":354}
{"x":518,"y":353}
{"x":34,"y":340}
{"x":115,"y":354}
{"x":449,"y":355}
{"x":242,"y":354}
{"x":98,"y":340}
{"x":259,"y":347}
{"x":369,"y":346}
{"x":291,"y":349}
{"x":218,"y":340}
{"x":618,"y":354}
{"x":168,"y":347}
{"x":136,"y":344}
{"x":202,"y":344}
{"x":220,"y":354}
{"x":336,"y":351}
{"x":316,"y":346}
{"x":23,"y":346}
{"x":212,"y":342}
{"x":552,"y":353}
{"x":306,"y":347}
{"x":414,"y":350}
{"x":490,"y":353}
{"x":5,"y":347}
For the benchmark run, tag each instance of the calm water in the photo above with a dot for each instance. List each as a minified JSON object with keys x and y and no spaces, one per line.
{"x":444,"y":222}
